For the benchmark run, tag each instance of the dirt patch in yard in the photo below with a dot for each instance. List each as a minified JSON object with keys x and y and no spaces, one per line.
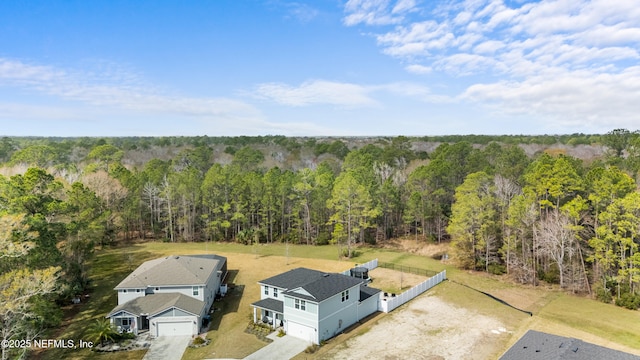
{"x":427,"y":328}
{"x":393,"y":281}
{"x":418,"y":246}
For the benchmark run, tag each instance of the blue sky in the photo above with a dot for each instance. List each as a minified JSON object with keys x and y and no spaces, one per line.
{"x":316,"y":68}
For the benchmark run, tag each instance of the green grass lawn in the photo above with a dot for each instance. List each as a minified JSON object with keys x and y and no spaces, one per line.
{"x":554,"y":311}
{"x":603,"y":320}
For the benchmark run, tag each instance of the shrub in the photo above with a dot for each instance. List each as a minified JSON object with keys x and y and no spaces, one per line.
{"x":629,"y":301}
{"x":354,"y":253}
{"x":198,"y":341}
{"x":311,"y":349}
{"x":497,"y":269}
{"x":323,"y":238}
{"x":603,"y":294}
{"x":551,"y":276}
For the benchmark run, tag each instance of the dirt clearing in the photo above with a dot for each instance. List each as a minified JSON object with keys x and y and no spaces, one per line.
{"x":393,"y":281}
{"x":427,"y":328}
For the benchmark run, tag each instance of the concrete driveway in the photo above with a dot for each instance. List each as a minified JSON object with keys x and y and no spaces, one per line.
{"x":167,"y":348}
{"x":281,"y":348}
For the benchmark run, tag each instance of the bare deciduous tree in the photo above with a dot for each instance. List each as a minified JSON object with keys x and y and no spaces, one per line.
{"x":555,"y":237}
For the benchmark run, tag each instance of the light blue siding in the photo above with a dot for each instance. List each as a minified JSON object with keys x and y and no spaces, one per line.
{"x":337,"y":315}
{"x":308,"y":317}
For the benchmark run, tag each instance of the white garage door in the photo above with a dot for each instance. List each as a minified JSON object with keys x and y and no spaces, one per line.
{"x":301,"y":331}
{"x":175,"y":328}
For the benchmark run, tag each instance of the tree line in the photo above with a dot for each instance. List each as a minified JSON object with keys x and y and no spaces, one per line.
{"x":549,"y":217}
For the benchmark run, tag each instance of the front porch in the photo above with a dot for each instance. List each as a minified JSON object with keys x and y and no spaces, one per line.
{"x":125,"y":322}
{"x":269,"y":311}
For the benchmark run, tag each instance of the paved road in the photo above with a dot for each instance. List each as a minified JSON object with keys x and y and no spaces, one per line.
{"x":167,"y":348}
{"x":281,"y":348}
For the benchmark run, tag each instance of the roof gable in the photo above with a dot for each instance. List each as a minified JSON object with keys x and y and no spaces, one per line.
{"x":173,"y":270}
{"x":326,"y":286}
{"x":157,"y":303}
{"x":310,"y":284}
{"x":301,"y":291}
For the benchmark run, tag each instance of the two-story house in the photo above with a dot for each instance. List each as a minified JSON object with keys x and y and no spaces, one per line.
{"x":314,"y":305}
{"x":170,"y":295}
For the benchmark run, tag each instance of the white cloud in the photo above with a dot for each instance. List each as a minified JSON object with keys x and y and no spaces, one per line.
{"x":376,"y":12}
{"x":488,"y":47}
{"x":316,"y":92}
{"x":302,"y":12}
{"x":18,"y":111}
{"x":21,"y":74}
{"x":466,"y":64}
{"x":572,"y":98}
{"x":403,"y":6}
{"x":345,"y":94}
{"x":112,"y":91}
{"x":462,"y":18}
{"x":600,"y":35}
{"x":418,"y":69}
{"x":418,"y":39}
{"x":415,"y":91}
{"x":567,"y":61}
{"x":116,"y":103}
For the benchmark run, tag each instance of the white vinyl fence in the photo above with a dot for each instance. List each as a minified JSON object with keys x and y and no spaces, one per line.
{"x":388,"y":303}
{"x":369,"y":265}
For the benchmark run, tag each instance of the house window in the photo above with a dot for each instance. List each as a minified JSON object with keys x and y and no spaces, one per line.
{"x":345,"y":295}
{"x":300,"y":304}
{"x":267,"y":313}
{"x":137,"y":290}
{"x":275,"y":292}
{"x":125,"y":322}
{"x":266,"y":290}
{"x":124,"y":291}
{"x":196,"y":291}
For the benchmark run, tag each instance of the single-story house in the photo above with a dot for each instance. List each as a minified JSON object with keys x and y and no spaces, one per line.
{"x":314,"y":305}
{"x":170,"y":295}
{"x":538,"y":345}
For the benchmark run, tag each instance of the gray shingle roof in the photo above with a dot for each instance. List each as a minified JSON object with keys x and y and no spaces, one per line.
{"x":293,"y":278}
{"x":156,"y":303}
{"x":367,"y":292}
{"x":325,"y":287}
{"x":173,"y":270}
{"x":538,"y":345}
{"x":270,"y":304}
{"x":319,"y":285}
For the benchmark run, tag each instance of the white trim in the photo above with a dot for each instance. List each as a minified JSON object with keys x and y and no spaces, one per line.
{"x":172,"y":307}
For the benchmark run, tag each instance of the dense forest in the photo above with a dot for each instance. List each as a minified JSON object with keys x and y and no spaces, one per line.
{"x":560,"y":209}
